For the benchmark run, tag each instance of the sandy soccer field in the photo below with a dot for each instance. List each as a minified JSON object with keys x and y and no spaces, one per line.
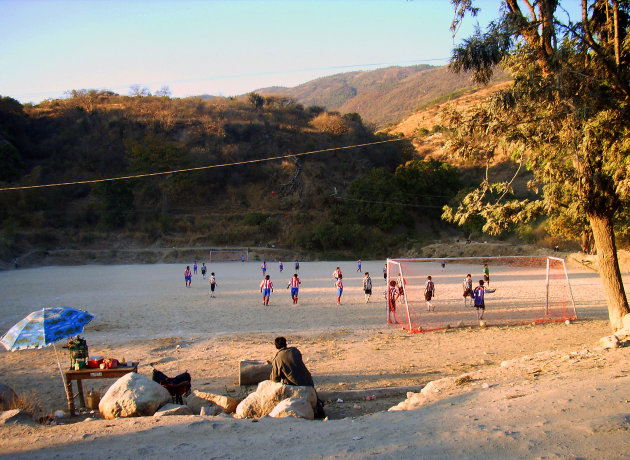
{"x":145,"y":314}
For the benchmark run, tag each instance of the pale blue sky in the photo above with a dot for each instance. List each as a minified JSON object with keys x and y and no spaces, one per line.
{"x":215,"y":46}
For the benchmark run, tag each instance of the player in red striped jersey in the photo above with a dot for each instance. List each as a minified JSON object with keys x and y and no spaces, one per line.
{"x":266,"y":287}
{"x":294,"y":284}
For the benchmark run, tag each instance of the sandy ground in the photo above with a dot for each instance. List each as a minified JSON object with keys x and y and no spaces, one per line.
{"x":555,"y":396}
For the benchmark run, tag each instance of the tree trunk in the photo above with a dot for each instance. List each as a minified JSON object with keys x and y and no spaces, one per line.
{"x":609,"y":269}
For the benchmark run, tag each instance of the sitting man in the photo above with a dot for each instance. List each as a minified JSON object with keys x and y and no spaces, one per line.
{"x":287,"y":367}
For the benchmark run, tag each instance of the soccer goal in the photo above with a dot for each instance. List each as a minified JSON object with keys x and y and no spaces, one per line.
{"x":528,"y":289}
{"x":228,"y":255}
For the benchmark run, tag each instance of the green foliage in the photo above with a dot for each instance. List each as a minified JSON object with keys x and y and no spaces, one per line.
{"x":416,"y":190}
{"x":256,"y":100}
{"x":255,"y":218}
{"x":115,"y":203}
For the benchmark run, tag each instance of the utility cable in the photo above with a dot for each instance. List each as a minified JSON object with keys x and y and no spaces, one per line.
{"x":198,"y":168}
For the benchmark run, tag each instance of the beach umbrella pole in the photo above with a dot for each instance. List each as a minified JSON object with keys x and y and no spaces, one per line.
{"x":63,"y":379}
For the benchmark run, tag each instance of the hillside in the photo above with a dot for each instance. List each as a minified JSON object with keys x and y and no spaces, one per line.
{"x":381,"y":96}
{"x":328,"y":203}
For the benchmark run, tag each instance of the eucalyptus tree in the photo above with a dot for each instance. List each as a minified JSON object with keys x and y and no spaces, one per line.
{"x":565,"y":117}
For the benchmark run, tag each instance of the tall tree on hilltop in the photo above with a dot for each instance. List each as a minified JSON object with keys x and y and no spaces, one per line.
{"x":566,"y":117}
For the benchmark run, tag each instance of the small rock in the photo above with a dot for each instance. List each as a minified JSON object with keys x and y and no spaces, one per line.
{"x":356,"y":406}
{"x":610,"y":341}
{"x":16,"y":416}
{"x":173,"y":409}
{"x":485,"y":385}
{"x":210,"y":410}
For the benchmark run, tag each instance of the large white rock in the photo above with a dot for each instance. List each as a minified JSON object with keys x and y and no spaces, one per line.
{"x":269,"y":394}
{"x":293,"y":407}
{"x":133,"y":395}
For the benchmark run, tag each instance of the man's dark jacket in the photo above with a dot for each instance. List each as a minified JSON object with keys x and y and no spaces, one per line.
{"x":288,"y":368}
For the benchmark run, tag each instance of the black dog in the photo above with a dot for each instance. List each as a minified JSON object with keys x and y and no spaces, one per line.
{"x":177,"y":386}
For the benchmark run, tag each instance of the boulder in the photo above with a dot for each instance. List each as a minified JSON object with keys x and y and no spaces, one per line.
{"x":253,"y":372}
{"x":269,"y":394}
{"x":195,"y":403}
{"x":133,"y":395}
{"x":173,"y":409}
{"x":16,"y":416}
{"x":610,"y":341}
{"x":293,"y":407}
{"x":199,"y":399}
{"x":7,"y":396}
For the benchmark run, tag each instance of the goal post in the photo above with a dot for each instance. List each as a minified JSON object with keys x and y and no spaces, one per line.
{"x":228,"y":255}
{"x":522,"y":290}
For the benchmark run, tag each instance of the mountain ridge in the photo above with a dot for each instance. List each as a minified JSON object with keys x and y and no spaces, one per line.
{"x":383,"y":96}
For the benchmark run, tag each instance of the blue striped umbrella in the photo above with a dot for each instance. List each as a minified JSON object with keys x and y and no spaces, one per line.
{"x":46,"y":326}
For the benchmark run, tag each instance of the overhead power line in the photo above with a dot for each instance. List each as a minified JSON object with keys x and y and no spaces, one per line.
{"x":198,"y":168}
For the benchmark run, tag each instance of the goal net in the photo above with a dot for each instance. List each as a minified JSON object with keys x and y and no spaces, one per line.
{"x":528,"y":289}
{"x":228,"y":255}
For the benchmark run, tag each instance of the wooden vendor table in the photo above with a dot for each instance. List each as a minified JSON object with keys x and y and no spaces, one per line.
{"x":90,"y":374}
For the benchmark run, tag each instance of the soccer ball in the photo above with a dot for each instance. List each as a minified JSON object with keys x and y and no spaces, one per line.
{"x":567,"y":322}
{"x":482,"y":323}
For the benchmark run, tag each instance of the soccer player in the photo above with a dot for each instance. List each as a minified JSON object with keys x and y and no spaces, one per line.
{"x":294,"y":284}
{"x":359,"y":265}
{"x":188,"y":276}
{"x":213,"y":283}
{"x":385,"y":272}
{"x":242,"y":259}
{"x":266,"y":287}
{"x":468,"y":290}
{"x":280,"y":266}
{"x":479,"y":293}
{"x":367,"y":286}
{"x":263,"y":267}
{"x":339,"y":284}
{"x":204,"y":269}
{"x":486,"y":274}
{"x":429,"y":293}
{"x":392,"y":296}
{"x":195,"y":267}
{"x":336,"y":275}
{"x":297,"y":266}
